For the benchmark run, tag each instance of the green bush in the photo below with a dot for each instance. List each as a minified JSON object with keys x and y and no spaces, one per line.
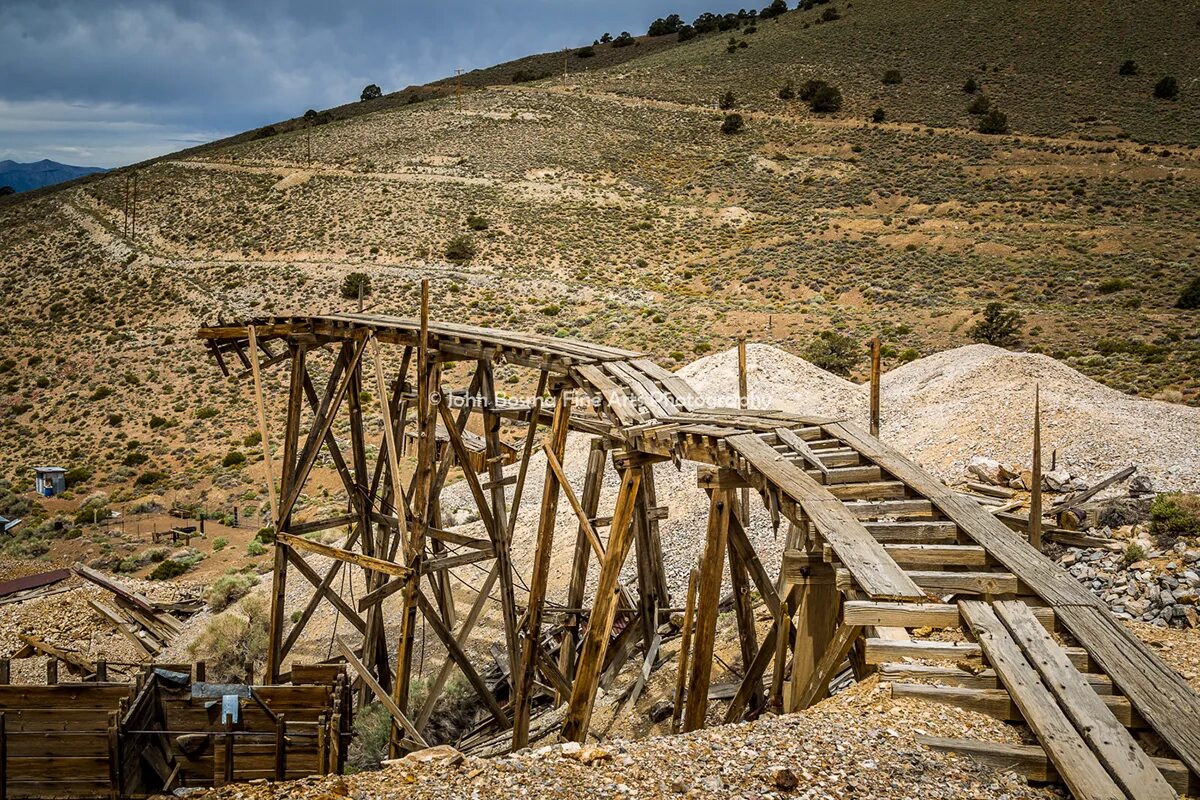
{"x":878,"y":115}
{"x":76,"y":476}
{"x":1167,"y":89}
{"x":233,"y":458}
{"x":476,"y":222}
{"x":231,"y":639}
{"x":228,"y":589}
{"x":787,"y":92}
{"x":732,"y":123}
{"x":834,"y":352}
{"x":150,"y":477}
{"x":370,"y":92}
{"x":1191,"y":295}
{"x":998,"y":327}
{"x":1111,"y":285}
{"x":170,"y":568}
{"x":100,"y":392}
{"x":994,"y":121}
{"x":460,"y":249}
{"x":980,"y":105}
{"x":970,"y":87}
{"x":727,"y":101}
{"x":206,"y":412}
{"x":892,"y":77}
{"x":1175,"y":516}
{"x":585,"y":52}
{"x":525,"y":76}
{"x":135,"y":459}
{"x":821,"y":96}
{"x":1128,"y":67}
{"x":372,"y":732}
{"x":255,"y":548}
{"x":219,"y":544}
{"x":353,"y":283}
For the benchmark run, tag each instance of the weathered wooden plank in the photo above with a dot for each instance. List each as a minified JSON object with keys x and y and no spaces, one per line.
{"x":1078,"y":765}
{"x":949,"y":582}
{"x":349,"y":556}
{"x":1127,"y":762}
{"x":874,"y":570}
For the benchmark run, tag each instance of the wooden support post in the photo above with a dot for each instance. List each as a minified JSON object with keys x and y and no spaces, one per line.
{"x":500,"y":522}
{"x":591,"y":661}
{"x":685,"y":644}
{"x":876,"y":354}
{"x":3,"y":758}
{"x":783,"y":642}
{"x":1035,"y":491}
{"x":589,"y":502}
{"x":816,"y":620}
{"x":427,"y":382}
{"x":51,"y":670}
{"x":228,"y":745}
{"x":261,"y":408}
{"x":101,"y":670}
{"x":744,"y":612}
{"x":280,"y":748}
{"x":743,"y":403}
{"x":4,"y":671}
{"x":707,"y":601}
{"x":548,"y":514}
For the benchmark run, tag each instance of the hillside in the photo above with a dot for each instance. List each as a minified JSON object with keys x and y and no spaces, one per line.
{"x":608,"y":205}
{"x":23,"y":177}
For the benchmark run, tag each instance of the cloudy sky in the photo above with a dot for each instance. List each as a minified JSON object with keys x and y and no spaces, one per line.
{"x":99,"y":83}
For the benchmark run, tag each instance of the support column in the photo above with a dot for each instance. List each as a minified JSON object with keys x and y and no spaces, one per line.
{"x":707,"y":602}
{"x":589,"y":501}
{"x":816,"y":621}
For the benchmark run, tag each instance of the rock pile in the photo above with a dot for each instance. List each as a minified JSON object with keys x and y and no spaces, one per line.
{"x":1162,"y":589}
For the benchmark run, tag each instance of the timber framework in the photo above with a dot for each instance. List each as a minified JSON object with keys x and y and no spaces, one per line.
{"x":876,"y":548}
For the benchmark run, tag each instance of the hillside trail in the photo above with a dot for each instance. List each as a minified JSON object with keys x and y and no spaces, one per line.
{"x":834,"y":123}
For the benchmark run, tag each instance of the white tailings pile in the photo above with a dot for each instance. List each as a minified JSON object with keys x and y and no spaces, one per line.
{"x":776,"y":379}
{"x":978,"y":400}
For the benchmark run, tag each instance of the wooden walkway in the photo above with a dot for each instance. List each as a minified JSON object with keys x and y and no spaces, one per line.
{"x":876,"y":549}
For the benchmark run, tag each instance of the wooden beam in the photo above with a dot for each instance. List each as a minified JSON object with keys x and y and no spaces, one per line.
{"x":583,"y":691}
{"x":349,"y":556}
{"x":365,"y":675}
{"x":708,"y":599}
{"x":685,"y":650}
{"x":1124,"y":758}
{"x":831,"y":659}
{"x":1081,"y":770}
{"x":585,"y":541}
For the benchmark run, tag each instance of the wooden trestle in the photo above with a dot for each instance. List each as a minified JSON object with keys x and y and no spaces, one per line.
{"x":876,"y":548}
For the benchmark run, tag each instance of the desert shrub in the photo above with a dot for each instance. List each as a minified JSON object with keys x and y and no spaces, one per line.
{"x":1191,"y":295}
{"x":167,"y":569}
{"x":76,"y":476}
{"x":206,"y":412}
{"x":255,"y":548}
{"x":1128,"y":67}
{"x":91,"y":513}
{"x":233,"y":458}
{"x":970,"y":87}
{"x":371,"y":92}
{"x":525,"y":76}
{"x":232,"y":639}
{"x":727,"y":101}
{"x":980,"y":105}
{"x":100,"y":392}
{"x":1175,"y":516}
{"x":157,"y":422}
{"x":834,"y":352}
{"x":624,"y":40}
{"x":892,"y":77}
{"x":150,"y":477}
{"x":878,"y":115}
{"x":228,"y":589}
{"x":460,"y":249}
{"x":830,"y":14}
{"x":1111,"y":285}
{"x":1167,"y":89}
{"x":908,"y":354}
{"x":585,"y":52}
{"x":135,"y":459}
{"x":252,"y":439}
{"x":732,"y":123}
{"x":476,"y":222}
{"x":266,"y":132}
{"x":372,"y":731}
{"x":687,"y":33}
{"x":994,"y":121}
{"x":787,"y":92}
{"x":355,"y":282}
{"x":821,"y":96}
{"x":999,"y":326}
{"x":219,"y":544}
{"x":1134,"y":553}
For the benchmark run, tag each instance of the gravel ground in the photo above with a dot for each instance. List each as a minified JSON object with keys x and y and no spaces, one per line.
{"x":859,"y":744}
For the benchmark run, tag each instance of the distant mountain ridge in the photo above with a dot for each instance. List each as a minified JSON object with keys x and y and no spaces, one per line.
{"x":23,"y":177}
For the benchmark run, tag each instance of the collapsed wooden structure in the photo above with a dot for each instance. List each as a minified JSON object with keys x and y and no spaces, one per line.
{"x":877,"y":549}
{"x":168,"y":730}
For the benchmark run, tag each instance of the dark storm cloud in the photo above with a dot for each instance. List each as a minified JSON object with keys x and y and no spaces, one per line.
{"x":106,"y":83}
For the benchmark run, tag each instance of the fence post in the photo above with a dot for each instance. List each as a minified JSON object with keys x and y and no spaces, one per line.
{"x":280,"y":748}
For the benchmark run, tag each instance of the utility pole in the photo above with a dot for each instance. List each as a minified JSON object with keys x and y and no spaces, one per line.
{"x":458,"y":87}
{"x":566,"y":50}
{"x":875,"y":359}
{"x":308,"y":143}
{"x":1035,"y":491}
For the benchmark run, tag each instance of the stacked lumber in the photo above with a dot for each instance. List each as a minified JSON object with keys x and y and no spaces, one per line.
{"x":145,"y":624}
